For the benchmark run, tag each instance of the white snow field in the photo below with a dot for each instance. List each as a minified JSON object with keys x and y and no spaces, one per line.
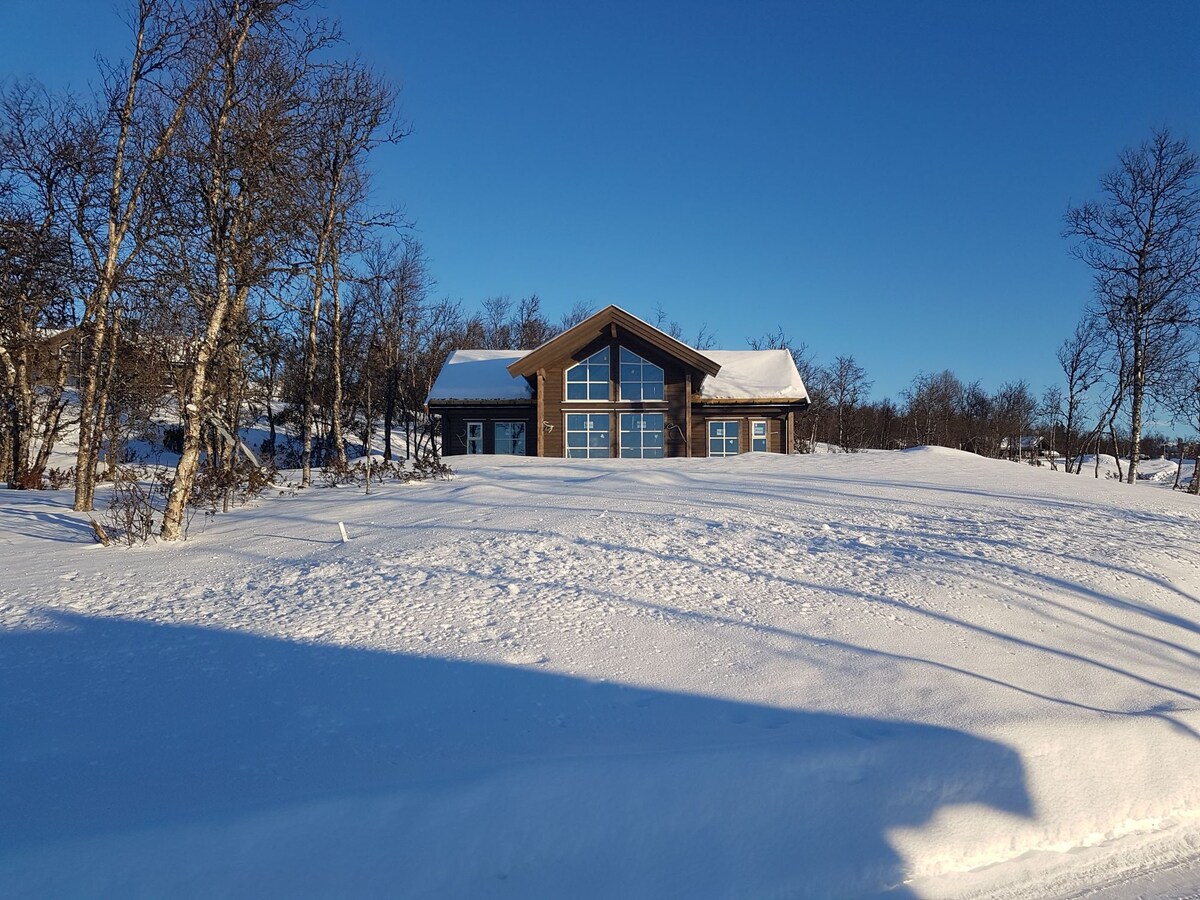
{"x":918,"y":674}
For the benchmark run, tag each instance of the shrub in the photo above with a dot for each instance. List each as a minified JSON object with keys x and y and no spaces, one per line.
{"x":430,"y":467}
{"x":57,"y":479}
{"x":131,"y":511}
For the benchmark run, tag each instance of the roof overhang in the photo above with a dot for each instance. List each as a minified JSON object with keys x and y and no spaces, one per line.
{"x":525,"y":404}
{"x":798,"y":402}
{"x":608,"y":319}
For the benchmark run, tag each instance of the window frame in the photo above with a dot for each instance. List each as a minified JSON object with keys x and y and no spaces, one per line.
{"x":496,"y":438}
{"x":642,"y":365}
{"x":766,"y":436}
{"x":475,"y":423}
{"x":588,"y":449}
{"x":588,"y":366}
{"x":642,"y":432}
{"x":709,"y":437}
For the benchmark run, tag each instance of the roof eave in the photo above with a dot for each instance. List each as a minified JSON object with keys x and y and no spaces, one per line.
{"x":595,"y":325}
{"x":753,"y":401}
{"x":440,"y":401}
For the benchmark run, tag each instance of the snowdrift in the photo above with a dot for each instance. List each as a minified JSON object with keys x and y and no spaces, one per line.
{"x":917,"y":674}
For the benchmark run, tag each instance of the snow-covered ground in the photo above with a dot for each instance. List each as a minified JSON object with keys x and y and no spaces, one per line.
{"x":917,"y":674}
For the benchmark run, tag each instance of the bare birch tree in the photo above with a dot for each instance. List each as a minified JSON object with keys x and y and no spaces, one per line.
{"x":242,"y":138}
{"x":1142,"y":242}
{"x":138,"y":115}
{"x":37,"y":276}
{"x":1079,"y":356}
{"x":352,"y":112}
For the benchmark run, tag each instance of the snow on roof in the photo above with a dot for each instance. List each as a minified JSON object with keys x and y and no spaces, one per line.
{"x":744,"y":375}
{"x":480,"y":375}
{"x":753,"y":375}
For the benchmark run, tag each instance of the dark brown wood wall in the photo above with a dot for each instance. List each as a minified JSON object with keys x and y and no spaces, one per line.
{"x":455,"y":419}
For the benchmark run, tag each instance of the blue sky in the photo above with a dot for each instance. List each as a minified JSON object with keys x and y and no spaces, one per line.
{"x":880,"y":179}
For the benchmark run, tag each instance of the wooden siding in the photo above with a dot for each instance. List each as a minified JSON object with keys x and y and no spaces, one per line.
{"x":455,"y":419}
{"x":614,"y":321}
{"x":674,"y":404}
{"x":777,"y":419}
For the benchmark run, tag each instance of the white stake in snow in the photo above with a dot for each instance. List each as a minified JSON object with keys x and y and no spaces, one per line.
{"x":342,"y":528}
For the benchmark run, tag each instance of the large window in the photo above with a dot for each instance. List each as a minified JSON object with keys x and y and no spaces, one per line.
{"x":510,"y":438}
{"x":588,"y":380}
{"x":758,"y":436}
{"x":474,"y":437}
{"x":588,"y":435}
{"x":640,"y":379}
{"x":642,"y":435}
{"x":723,"y":438}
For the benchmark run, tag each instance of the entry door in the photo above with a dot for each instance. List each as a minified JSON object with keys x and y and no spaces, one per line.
{"x":758,"y":436}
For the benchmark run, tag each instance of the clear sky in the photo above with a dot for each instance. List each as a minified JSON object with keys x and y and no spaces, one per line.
{"x":880,"y":179}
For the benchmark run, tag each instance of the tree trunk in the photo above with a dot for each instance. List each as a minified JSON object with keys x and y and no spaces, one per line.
{"x":194,"y":413}
{"x":310,"y":376}
{"x":335,"y":361}
{"x":1112,"y":432}
{"x":89,"y":376}
{"x":106,"y":363}
{"x":20,"y":413}
{"x":1138,"y":378}
{"x":389,"y":411}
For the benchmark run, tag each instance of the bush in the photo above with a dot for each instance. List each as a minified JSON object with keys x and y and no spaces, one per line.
{"x":430,"y":466}
{"x":28,"y":481}
{"x":337,"y":473}
{"x":57,"y":479}
{"x":243,"y":483}
{"x":131,"y":511}
{"x":424,"y":468}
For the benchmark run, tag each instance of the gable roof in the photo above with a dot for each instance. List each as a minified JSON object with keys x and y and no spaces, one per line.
{"x":593,"y":326}
{"x":499,"y":376}
{"x":480,"y":375}
{"x":754,"y":375}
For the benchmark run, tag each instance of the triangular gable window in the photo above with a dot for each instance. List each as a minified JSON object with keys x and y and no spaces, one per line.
{"x":589,"y":379}
{"x":640,"y":378}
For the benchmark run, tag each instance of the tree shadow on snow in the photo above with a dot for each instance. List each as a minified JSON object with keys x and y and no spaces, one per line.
{"x":44,"y":515}
{"x":143,"y":760}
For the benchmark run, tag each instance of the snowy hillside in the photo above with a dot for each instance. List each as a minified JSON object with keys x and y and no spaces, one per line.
{"x":919,"y":674}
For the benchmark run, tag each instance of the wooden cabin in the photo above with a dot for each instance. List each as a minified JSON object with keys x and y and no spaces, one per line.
{"x":616,"y":386}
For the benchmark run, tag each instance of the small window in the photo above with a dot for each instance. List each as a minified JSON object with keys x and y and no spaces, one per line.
{"x":758,"y":436}
{"x":588,"y":435}
{"x":474,"y":437}
{"x":642,"y":435}
{"x":510,"y":438}
{"x":723,"y":438}
{"x":640,"y":378}
{"x":589,"y":379}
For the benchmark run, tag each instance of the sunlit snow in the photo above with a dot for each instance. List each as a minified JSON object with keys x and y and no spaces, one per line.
{"x":916,"y":674}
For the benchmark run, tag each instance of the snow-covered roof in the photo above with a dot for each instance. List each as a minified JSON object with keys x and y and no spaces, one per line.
{"x":744,"y":375}
{"x":753,"y":375}
{"x":480,"y":375}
